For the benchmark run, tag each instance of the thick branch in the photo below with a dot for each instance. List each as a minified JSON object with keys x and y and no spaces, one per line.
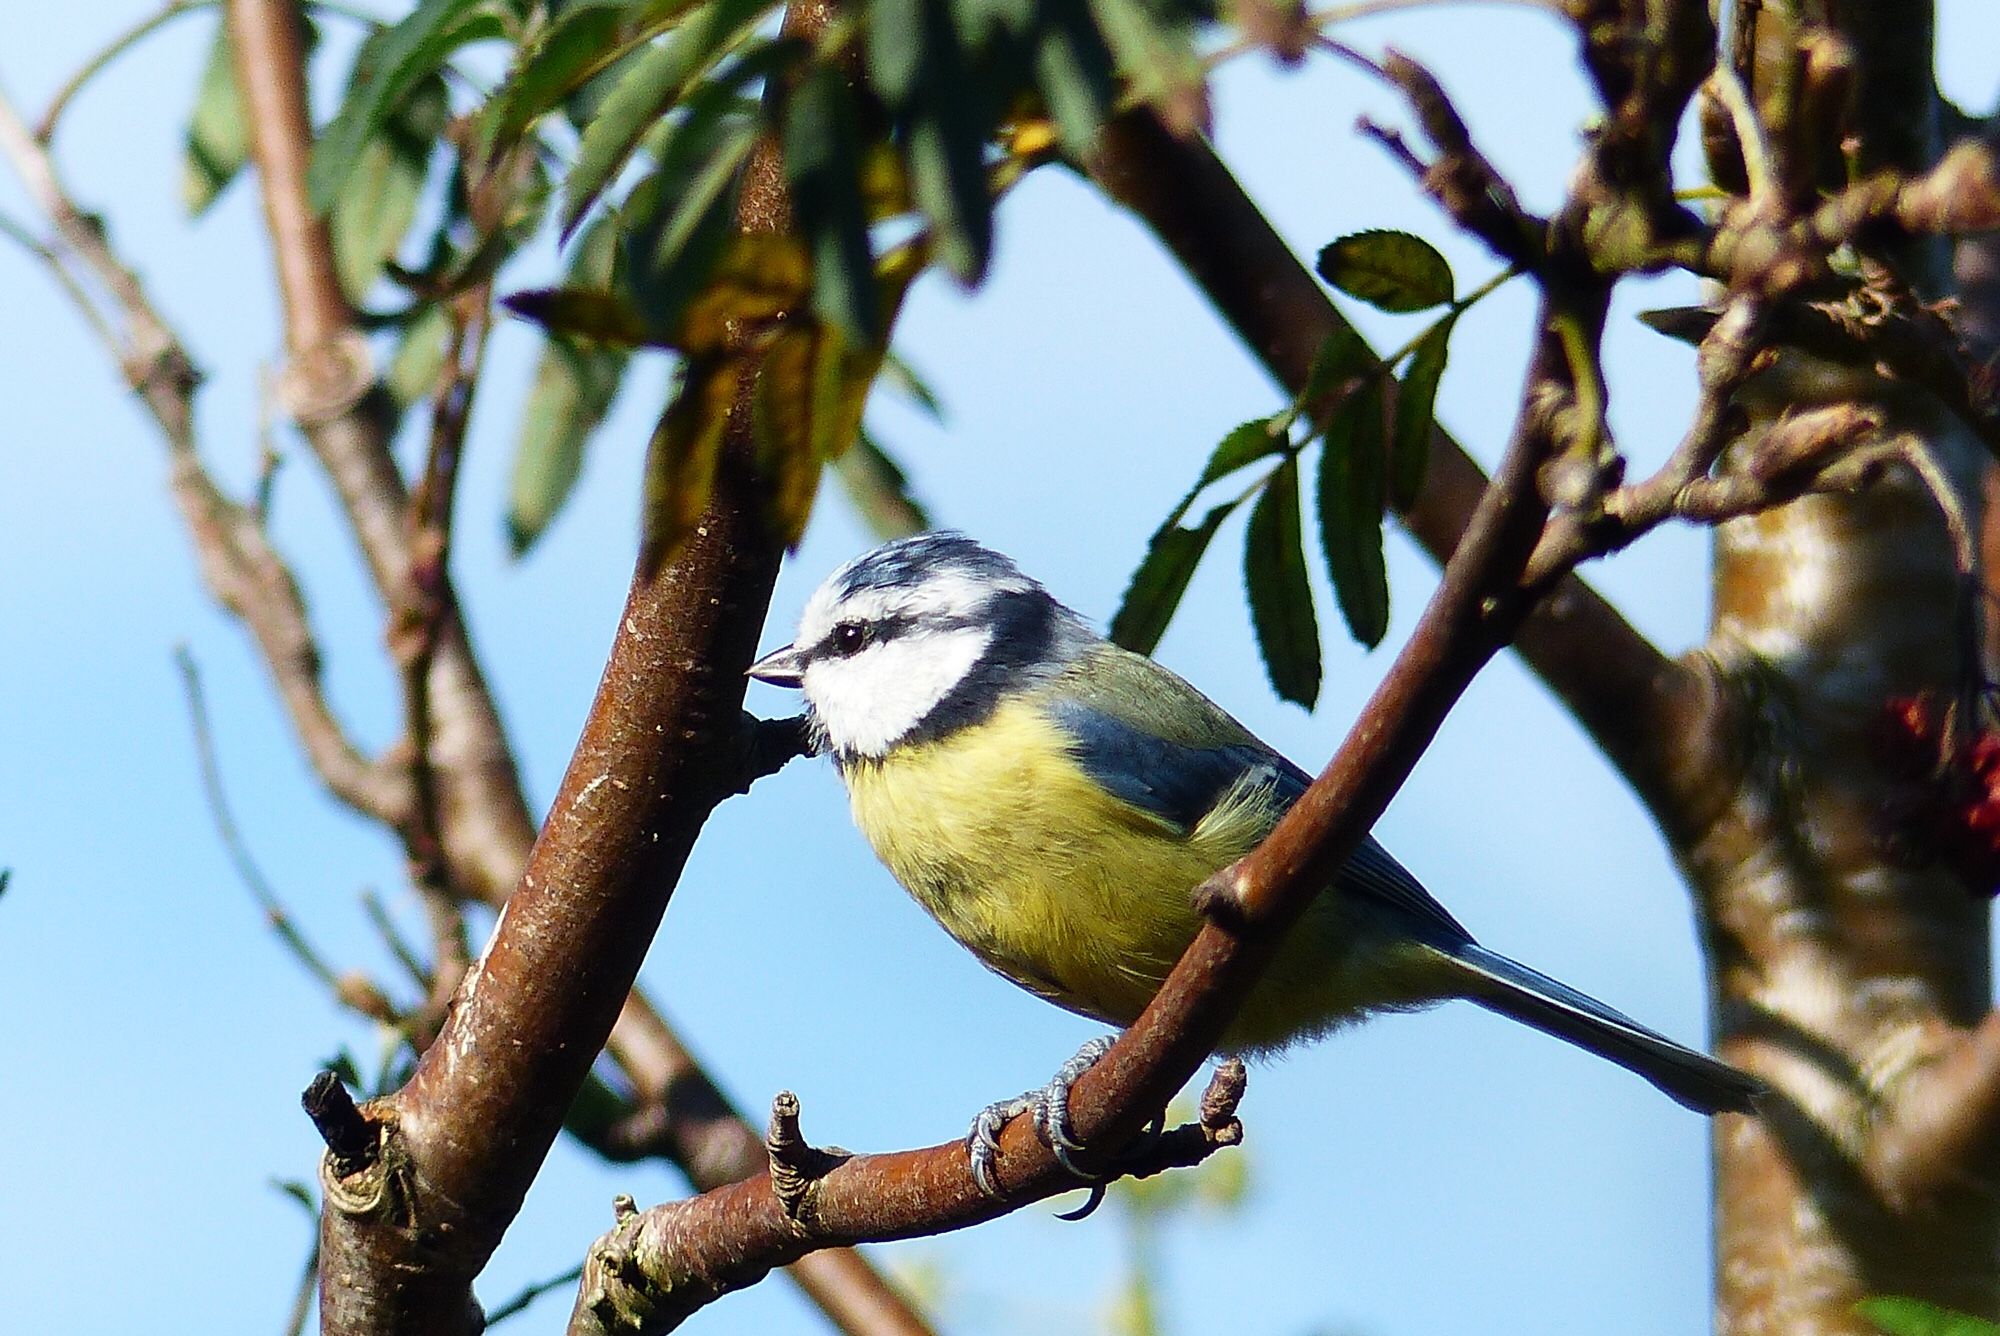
{"x":661,"y":746}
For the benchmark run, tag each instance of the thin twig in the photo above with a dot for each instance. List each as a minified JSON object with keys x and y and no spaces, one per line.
{"x":1320,"y":21}
{"x":519,"y":1303}
{"x":1758,"y":155}
{"x":45,"y":129}
{"x":429,"y":605}
{"x":392,"y":938}
{"x":226,"y":829}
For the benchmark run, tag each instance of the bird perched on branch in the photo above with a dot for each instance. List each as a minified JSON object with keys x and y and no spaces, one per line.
{"x":1053,"y":800}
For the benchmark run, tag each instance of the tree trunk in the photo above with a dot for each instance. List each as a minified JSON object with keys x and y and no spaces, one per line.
{"x":1845,"y":969}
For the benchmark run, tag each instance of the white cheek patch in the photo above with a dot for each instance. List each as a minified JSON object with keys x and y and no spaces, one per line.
{"x":868,"y":701}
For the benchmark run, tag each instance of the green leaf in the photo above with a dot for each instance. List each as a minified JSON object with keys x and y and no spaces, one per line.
{"x":573,"y":389}
{"x":756,"y":277}
{"x":1416,"y":408}
{"x":982,"y":23}
{"x":947,"y":154}
{"x":680,"y":461}
{"x":823,"y":162}
{"x":413,"y":372}
{"x":903,"y":378}
{"x":656,"y":81}
{"x":1247,"y":444}
{"x":298,"y":1192}
{"x":217,"y":145}
{"x":1155,"y":593}
{"x":879,"y":490}
{"x":681,"y":218}
{"x":1075,"y":71}
{"x":1350,"y":514}
{"x":1342,"y":357}
{"x":896,"y":38}
{"x":1393,"y":271}
{"x":1173,"y":552}
{"x":389,"y":65}
{"x":1687,"y":324}
{"x":573,"y":46}
{"x":575,"y":383}
{"x":944,"y":142}
{"x":1281,"y":603}
{"x":787,"y":419}
{"x":380,"y":199}
{"x":1898,"y":1316}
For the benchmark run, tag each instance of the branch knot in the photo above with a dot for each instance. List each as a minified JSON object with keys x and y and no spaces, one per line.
{"x":796,"y":1165}
{"x":322,"y":383}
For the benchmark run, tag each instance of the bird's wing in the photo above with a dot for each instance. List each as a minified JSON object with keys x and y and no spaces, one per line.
{"x":1172,"y":782}
{"x":1157,"y":743}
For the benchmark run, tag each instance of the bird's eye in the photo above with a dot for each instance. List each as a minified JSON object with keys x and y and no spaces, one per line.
{"x":849,"y":637}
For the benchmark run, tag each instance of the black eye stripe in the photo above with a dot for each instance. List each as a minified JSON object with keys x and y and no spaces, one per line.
{"x":850,"y":637}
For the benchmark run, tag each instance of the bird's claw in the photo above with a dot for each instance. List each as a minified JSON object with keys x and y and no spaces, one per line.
{"x":982,"y":1143}
{"x":1050,"y":1109}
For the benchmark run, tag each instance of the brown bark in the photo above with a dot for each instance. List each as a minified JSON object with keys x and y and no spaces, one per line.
{"x":1851,"y":981}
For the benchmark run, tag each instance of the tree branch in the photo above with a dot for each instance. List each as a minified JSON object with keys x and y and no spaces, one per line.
{"x":660,"y":748}
{"x":635,"y":1279}
{"x":238,"y":564}
{"x":354,"y":990}
{"x":327,"y":383}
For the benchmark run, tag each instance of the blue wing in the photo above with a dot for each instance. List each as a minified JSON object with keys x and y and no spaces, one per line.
{"x":1180,"y":784}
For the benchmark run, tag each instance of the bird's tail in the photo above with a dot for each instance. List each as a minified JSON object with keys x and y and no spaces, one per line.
{"x":1519,"y":993}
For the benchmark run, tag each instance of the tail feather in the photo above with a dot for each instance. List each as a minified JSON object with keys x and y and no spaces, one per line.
{"x":1513,"y":990}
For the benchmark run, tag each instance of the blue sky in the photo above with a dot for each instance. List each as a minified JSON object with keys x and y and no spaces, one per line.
{"x":1443,"y":1172}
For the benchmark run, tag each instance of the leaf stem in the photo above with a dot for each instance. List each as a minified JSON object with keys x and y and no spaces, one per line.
{"x":1457,"y":307}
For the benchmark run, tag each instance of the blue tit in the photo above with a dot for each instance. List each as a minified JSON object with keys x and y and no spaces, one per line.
{"x":1052,"y":800}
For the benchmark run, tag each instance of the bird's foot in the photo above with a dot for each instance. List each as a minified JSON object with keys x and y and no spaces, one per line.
{"x":1049,"y":1107}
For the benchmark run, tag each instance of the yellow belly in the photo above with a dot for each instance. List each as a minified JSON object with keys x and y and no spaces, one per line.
{"x":1074,"y":894}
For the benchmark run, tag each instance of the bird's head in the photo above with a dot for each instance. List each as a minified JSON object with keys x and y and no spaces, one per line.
{"x":919,"y":637}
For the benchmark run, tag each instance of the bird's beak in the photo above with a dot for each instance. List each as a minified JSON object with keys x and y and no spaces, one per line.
{"x":781,"y":668}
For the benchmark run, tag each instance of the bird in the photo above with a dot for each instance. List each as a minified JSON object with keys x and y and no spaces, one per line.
{"x":1052,"y":800}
